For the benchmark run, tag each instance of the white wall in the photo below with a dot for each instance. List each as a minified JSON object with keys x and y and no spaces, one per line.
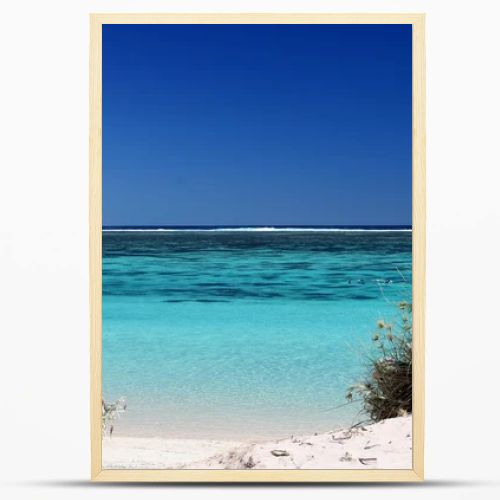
{"x":44,"y":447}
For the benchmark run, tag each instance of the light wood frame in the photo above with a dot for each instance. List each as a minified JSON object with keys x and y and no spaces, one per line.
{"x":95,"y":178}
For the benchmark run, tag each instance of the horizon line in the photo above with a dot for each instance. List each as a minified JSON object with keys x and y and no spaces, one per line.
{"x":257,"y":225}
{"x":257,"y":228}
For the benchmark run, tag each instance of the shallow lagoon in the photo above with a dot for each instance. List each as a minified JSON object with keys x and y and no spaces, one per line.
{"x":244,"y":334}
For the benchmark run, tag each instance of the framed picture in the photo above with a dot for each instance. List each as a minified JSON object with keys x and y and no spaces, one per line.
{"x":257,"y":247}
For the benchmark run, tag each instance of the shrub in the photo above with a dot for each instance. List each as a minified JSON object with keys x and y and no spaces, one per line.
{"x":110,"y":412}
{"x":387,"y":391}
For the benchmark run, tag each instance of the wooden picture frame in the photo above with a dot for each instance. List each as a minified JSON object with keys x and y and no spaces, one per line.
{"x":418,"y":215}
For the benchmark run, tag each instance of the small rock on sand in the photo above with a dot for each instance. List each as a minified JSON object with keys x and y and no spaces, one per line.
{"x":280,"y":453}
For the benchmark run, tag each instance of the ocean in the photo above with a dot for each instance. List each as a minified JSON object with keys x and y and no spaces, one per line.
{"x":244,"y":333}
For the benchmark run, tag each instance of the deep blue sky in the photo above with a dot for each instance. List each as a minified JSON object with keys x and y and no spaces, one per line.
{"x":256,"y":124}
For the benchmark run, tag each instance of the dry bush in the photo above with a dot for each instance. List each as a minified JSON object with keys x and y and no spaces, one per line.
{"x":111,"y":412}
{"x":387,"y":391}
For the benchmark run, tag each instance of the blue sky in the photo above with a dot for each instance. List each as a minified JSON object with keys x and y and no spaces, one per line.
{"x":256,"y":124}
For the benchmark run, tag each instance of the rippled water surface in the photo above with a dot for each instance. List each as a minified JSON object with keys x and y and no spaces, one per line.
{"x":243,"y":334}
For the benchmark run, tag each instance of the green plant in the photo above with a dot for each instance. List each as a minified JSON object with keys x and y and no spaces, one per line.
{"x":387,"y":391}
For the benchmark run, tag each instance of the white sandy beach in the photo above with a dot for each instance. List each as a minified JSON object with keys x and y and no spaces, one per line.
{"x":384,"y":445}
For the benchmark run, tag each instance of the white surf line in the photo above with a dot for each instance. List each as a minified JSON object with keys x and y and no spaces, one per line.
{"x":257,"y":230}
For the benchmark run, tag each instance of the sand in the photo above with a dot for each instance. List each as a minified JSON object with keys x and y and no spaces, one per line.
{"x":384,"y":445}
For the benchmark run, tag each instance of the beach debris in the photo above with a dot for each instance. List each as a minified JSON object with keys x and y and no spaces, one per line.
{"x":347,"y":457}
{"x":368,"y":461}
{"x":342,"y":436}
{"x":280,"y":453}
{"x":249,"y":464}
{"x":370,"y":446}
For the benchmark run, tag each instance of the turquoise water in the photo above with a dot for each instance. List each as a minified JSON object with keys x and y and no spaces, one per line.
{"x":244,"y":334}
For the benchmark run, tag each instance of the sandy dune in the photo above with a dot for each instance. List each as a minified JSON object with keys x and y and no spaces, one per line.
{"x":384,"y":445}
